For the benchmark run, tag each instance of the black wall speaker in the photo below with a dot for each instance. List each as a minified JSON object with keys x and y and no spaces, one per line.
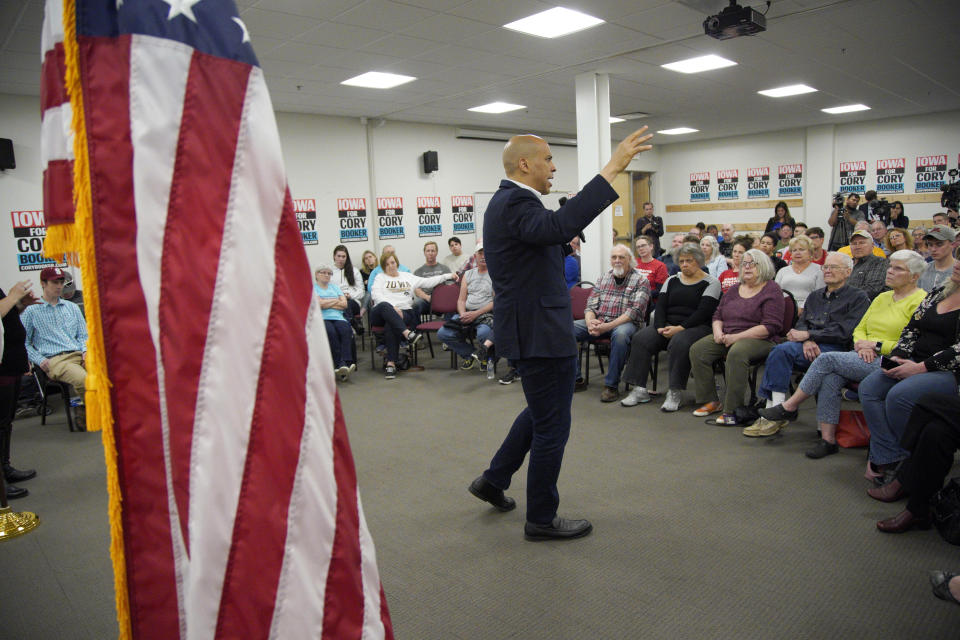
{"x":7,"y":161}
{"x":429,"y":161}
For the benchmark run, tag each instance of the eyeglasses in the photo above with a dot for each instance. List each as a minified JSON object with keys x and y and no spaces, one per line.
{"x":832,"y":267}
{"x":747,"y":263}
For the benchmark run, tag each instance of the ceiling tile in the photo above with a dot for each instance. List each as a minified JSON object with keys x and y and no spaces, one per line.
{"x":447,"y":28}
{"x":383,"y":14}
{"x":326,"y":10}
{"x":402,"y":46}
{"x":345,"y":36}
{"x":276,"y":25}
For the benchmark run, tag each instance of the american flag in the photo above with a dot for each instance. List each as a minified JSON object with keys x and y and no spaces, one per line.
{"x":239,"y":514}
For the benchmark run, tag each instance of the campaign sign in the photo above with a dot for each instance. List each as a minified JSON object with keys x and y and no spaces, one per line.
{"x":352,"y":213}
{"x":306,"y":211}
{"x":728,"y":184}
{"x":700,"y":186}
{"x":462,"y":214}
{"x":853,"y":176}
{"x":790,"y":180}
{"x":390,"y":218}
{"x":931,"y":172}
{"x":29,"y":234}
{"x":890,"y":174}
{"x":428,"y":216}
{"x":758,"y":182}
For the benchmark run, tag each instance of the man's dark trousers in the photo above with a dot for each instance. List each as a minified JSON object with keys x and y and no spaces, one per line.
{"x":548,"y":388}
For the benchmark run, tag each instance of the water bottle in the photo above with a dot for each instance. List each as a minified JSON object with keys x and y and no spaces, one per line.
{"x":490,"y":367}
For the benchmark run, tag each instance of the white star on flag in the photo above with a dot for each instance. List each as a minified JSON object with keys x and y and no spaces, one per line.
{"x":181,"y":7}
{"x":246,"y":34}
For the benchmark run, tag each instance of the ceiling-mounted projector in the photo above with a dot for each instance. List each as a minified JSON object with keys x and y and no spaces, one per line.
{"x":735,"y":21}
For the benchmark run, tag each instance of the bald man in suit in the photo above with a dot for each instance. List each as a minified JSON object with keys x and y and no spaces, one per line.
{"x":525,"y":249}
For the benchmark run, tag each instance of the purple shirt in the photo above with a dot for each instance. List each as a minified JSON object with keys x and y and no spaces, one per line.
{"x":739,"y":314}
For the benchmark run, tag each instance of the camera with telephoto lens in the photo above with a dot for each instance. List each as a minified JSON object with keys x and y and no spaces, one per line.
{"x":880,"y":209}
{"x":951,"y":192}
{"x":838,"y":200}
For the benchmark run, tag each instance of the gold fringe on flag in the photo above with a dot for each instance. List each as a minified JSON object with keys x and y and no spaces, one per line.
{"x":78,"y":240}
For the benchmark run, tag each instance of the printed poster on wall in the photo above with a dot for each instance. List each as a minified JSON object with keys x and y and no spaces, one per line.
{"x":758,"y":182}
{"x":790,"y":180}
{"x":390,"y":218}
{"x":728,"y":184}
{"x":29,"y":234}
{"x":700,"y":186}
{"x":306,"y":211}
{"x":352,"y":213}
{"x":428,"y":216}
{"x":853,"y":176}
{"x":890,"y":173}
{"x":931,"y":172}
{"x":462,"y":214}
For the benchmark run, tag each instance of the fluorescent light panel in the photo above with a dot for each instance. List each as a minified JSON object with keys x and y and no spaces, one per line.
{"x":678,"y":131}
{"x":378,"y":80}
{"x":847,"y":108}
{"x":790,"y":90}
{"x":497,"y":107}
{"x":554,"y":23}
{"x":696,"y":65}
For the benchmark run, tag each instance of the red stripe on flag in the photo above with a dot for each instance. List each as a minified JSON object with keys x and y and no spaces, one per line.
{"x":343,"y":608}
{"x":131,"y":359}
{"x":199,"y":192}
{"x":385,"y":616}
{"x":53,"y":88}
{"x":260,"y":529}
{"x":58,"y":192}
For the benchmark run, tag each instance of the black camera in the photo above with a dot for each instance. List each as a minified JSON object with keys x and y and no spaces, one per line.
{"x":838,"y":200}
{"x":880,"y":209}
{"x":951,"y":192}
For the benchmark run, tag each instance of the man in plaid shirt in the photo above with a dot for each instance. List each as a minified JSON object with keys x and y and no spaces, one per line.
{"x":615,"y":310}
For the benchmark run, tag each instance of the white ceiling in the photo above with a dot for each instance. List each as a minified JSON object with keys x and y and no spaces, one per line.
{"x":897,"y":56}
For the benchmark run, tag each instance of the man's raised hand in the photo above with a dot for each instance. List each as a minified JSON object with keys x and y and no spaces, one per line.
{"x":629,"y":147}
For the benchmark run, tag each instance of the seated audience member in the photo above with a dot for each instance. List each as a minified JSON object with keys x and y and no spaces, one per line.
{"x":684,"y":309}
{"x":800,"y":229}
{"x":650,"y":225}
{"x":869,"y":271}
{"x":863,"y":226}
{"x":615,"y":310}
{"x":714,"y":262}
{"x":571,"y":263}
{"x":898,"y":220}
{"x":745,"y":323}
{"x":349,"y":280}
{"x":457,"y":258}
{"x":941,"y":218}
{"x":768,"y":244}
{"x":876,"y":334}
{"x":695,"y":231}
{"x":939,"y":242}
{"x":817,"y":254}
{"x":781,"y":216}
{"x":712,"y":230}
{"x":928,"y":357}
{"x":14,"y":364}
{"x":731,"y":276}
{"x":474,"y":310}
{"x":387,"y":249}
{"x":392,"y":300}
{"x":649,"y":267}
{"x":784,"y":235}
{"x":801,"y":276}
{"x":879,"y":232}
{"x":369,"y":260}
{"x":667,"y":257}
{"x":826,"y":324}
{"x":57,"y":335}
{"x":428,"y":269}
{"x":918,"y":244}
{"x":897,"y":240}
{"x":726,"y":239}
{"x":339,"y":333}
{"x":932,"y":437}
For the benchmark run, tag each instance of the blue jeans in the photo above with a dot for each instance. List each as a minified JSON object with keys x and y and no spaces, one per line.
{"x":620,"y":339}
{"x":340,"y":337}
{"x":887,"y":403}
{"x":780,"y":364}
{"x":461,"y":347}
{"x":827,"y":377}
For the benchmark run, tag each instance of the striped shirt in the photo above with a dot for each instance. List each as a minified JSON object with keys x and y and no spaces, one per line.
{"x":53,"y":328}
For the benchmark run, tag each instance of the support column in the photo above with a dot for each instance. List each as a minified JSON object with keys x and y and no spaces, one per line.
{"x":819,"y":163}
{"x":593,"y":152}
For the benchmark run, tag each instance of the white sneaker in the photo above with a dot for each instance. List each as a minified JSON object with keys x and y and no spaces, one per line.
{"x":672,"y":401}
{"x":637,"y":395}
{"x":342,"y":373}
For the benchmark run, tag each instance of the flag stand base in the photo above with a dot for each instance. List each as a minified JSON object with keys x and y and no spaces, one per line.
{"x":13,"y":524}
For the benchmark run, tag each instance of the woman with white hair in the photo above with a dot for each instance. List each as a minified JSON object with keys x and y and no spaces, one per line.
{"x":713,"y":261}
{"x":749,"y":316}
{"x":875,"y":335}
{"x":339,"y":332}
{"x":802,"y":276}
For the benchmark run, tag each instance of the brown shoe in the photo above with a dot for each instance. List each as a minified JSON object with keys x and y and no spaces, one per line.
{"x":902,"y":522}
{"x":609,"y":394}
{"x":890,"y":492}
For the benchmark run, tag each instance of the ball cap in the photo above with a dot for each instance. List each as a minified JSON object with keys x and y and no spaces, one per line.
{"x":941,"y":232}
{"x":863,"y":233}
{"x":53,"y":273}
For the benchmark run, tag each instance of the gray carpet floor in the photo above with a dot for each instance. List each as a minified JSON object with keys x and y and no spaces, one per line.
{"x":698,"y":531}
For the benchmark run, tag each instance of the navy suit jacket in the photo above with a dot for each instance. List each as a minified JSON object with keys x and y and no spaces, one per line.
{"x":523,"y":243}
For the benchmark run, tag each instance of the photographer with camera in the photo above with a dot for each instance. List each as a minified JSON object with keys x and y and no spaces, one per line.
{"x":843,"y":218}
{"x":950,"y":199}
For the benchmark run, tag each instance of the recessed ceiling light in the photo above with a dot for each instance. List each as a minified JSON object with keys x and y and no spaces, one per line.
{"x":678,"y":131}
{"x":554,"y":23}
{"x":790,"y":90}
{"x":615,"y":120}
{"x":847,"y":108}
{"x":497,"y":107}
{"x":696,"y":65}
{"x":378,"y":80}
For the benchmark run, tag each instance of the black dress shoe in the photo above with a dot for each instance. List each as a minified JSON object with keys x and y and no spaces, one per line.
{"x":580,"y":385}
{"x":822,"y":449}
{"x":489,"y":493}
{"x":14,"y":492}
{"x":777,"y":413}
{"x":16,"y":475}
{"x":559,"y":529}
{"x":903,"y":522}
{"x":940,"y":581}
{"x":890,"y":492}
